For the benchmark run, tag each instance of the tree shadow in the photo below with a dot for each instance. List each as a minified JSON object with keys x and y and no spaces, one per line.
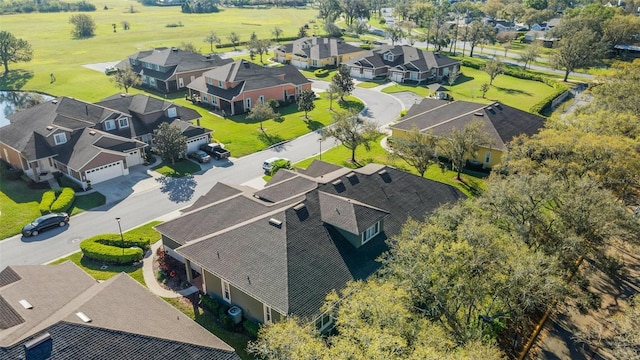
{"x":512,"y":91}
{"x":179,"y":189}
{"x":15,"y":79}
{"x":268,"y":139}
{"x":313,"y":125}
{"x":350,"y":105}
{"x":462,"y":78}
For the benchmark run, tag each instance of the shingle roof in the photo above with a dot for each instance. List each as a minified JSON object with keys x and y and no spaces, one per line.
{"x":439,"y":117}
{"x":320,"y":47}
{"x":318,"y":168}
{"x":118,"y":323}
{"x":291,"y":267}
{"x":286,"y":189}
{"x":178,"y":61}
{"x":348,"y":214}
{"x":218,"y":192}
{"x":405,"y":58}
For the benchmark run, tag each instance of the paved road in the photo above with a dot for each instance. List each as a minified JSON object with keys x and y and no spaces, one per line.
{"x":165,"y":196}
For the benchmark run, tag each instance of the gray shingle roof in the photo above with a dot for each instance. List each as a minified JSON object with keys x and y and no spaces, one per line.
{"x":405,"y":58}
{"x":501,"y":121}
{"x":347,"y":214}
{"x":292,"y":267}
{"x":118,"y":323}
{"x":321,"y":48}
{"x":318,"y":168}
{"x":286,"y":189}
{"x":178,"y":61}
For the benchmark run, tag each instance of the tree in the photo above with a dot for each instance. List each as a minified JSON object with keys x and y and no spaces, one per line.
{"x":234,"y":39}
{"x":581,"y":48}
{"x":479,"y":32}
{"x":276,"y":33}
{"x":530,"y":53}
{"x":620,"y":29}
{"x":125,"y":78}
{"x":460,"y":143}
{"x":536,"y":4}
{"x":354,"y":9}
{"x":453,"y":76}
{"x":332,"y":91}
{"x":83,"y":26}
{"x":305,"y":102}
{"x":302,"y":32}
{"x":616,"y":91}
{"x":188,"y":46}
{"x":417,"y":149}
{"x":261,"y":112}
{"x":343,"y":81}
{"x":461,"y":11}
{"x":212,"y":38}
{"x":169,"y":142}
{"x":351,"y":130}
{"x":494,"y":68}
{"x":288,"y":339}
{"x":395,"y":34}
{"x":624,"y":340}
{"x":329,"y":9}
{"x":484,"y":88}
{"x":13,"y":50}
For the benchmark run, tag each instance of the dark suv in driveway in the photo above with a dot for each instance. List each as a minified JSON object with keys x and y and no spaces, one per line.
{"x":45,"y":222}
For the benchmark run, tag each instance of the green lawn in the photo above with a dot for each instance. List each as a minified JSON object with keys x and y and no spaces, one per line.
{"x":56,"y":52}
{"x":19,"y":205}
{"x":518,"y":93}
{"x":181,"y":168}
{"x":235,"y":340}
{"x":371,"y":83}
{"x":95,"y":268}
{"x":242,"y":136}
{"x":341,"y":156}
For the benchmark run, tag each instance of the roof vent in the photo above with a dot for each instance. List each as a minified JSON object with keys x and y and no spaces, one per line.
{"x":174,"y":49}
{"x":54,"y":101}
{"x":299,"y":207}
{"x":83,"y":317}
{"x":498,"y":105}
{"x":123,"y":95}
{"x":491,"y":110}
{"x":92,"y":132}
{"x":382,"y":172}
{"x":337,"y":182}
{"x":275,"y":222}
{"x":478,"y":114}
{"x":350,"y":175}
{"x":25,"y":304}
{"x":37,"y":341}
{"x":49,"y":127}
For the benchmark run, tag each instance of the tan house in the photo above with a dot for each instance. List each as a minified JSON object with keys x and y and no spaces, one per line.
{"x":439,"y":117}
{"x":60,"y":312}
{"x":234,"y":88}
{"x":278,"y":251}
{"x":317,"y":52}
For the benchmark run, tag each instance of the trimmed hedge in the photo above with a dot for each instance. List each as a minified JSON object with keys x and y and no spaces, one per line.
{"x":321,"y":73}
{"x":108,"y":248}
{"x":366,"y":46}
{"x":251,"y":327}
{"x":48,"y":197}
{"x":64,"y":200}
{"x":65,"y":181}
{"x":209,"y":303}
{"x":546,"y":102}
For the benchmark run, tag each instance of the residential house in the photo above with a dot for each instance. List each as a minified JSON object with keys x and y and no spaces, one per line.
{"x":401,"y":64}
{"x":147,"y":113}
{"x":91,"y":143}
{"x":67,"y":135}
{"x":170,"y":69}
{"x":235,"y":87}
{"x":60,"y":312}
{"x":278,"y":251}
{"x":438,"y":118}
{"x":317,"y":52}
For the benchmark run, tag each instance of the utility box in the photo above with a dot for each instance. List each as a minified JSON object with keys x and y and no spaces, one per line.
{"x":236,"y":314}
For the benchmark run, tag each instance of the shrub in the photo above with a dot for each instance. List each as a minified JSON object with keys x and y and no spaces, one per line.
{"x":8,"y":172}
{"x":546,"y":102}
{"x":66,"y":181}
{"x":108,"y":248}
{"x":365,"y":46}
{"x":383,"y":21}
{"x":64,"y":200}
{"x":48,"y":197}
{"x":222,"y":310}
{"x":251,"y":327}
{"x":403,"y":113}
{"x":321,"y":73}
{"x":226,"y":321}
{"x":209,"y":303}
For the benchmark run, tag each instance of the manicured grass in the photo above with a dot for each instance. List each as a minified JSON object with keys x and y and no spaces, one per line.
{"x":56,"y":52}
{"x":341,"y":156}
{"x":18,"y":206}
{"x":179,"y":169}
{"x":235,"y":340}
{"x":309,"y":74}
{"x":94,"y":268}
{"x":242,"y":136}
{"x":86,"y":202}
{"x":371,"y":83}
{"x":518,"y":93}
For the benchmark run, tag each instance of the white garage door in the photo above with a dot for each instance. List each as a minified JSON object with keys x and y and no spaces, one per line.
{"x":355,"y":72}
{"x":105,"y":172}
{"x":194,"y":143}
{"x":299,"y":64}
{"x":134,"y":158}
{"x":397,"y":77}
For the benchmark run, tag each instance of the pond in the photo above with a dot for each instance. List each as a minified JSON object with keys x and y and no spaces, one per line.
{"x":14,"y":101}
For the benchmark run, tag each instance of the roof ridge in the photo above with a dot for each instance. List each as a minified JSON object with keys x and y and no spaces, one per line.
{"x":453,"y":118}
{"x":426,"y":111}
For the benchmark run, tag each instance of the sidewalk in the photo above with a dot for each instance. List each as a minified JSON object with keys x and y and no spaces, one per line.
{"x":150,"y":277}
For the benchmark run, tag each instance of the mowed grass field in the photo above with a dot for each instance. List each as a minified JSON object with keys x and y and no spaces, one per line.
{"x":56,"y":52}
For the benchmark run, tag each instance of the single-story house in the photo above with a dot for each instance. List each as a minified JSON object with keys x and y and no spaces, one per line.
{"x":439,"y":117}
{"x":170,"y":69}
{"x":316,"y":52}
{"x":278,"y":251}
{"x":235,"y":87}
{"x":402,"y":63}
{"x":60,"y":312}
{"x":90,"y":143}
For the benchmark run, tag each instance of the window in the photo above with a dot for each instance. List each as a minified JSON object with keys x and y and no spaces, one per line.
{"x":60,"y":138}
{"x":248,"y":103}
{"x":152,"y":81}
{"x":148,"y":66}
{"x":220,"y":85}
{"x":109,"y":125}
{"x":133,"y":61}
{"x":299,"y":89}
{"x":323,"y":321}
{"x":172,"y":112}
{"x":226,"y":291}
{"x":267,"y":314}
{"x":487,"y":157}
{"x":123,"y":122}
{"x":314,"y":63}
{"x":370,"y":232}
{"x":157,"y":67}
{"x":214,"y":100}
{"x":261,"y":98}
{"x":180,"y":82}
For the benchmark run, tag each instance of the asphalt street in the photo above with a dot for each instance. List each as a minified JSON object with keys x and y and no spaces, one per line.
{"x":170,"y":195}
